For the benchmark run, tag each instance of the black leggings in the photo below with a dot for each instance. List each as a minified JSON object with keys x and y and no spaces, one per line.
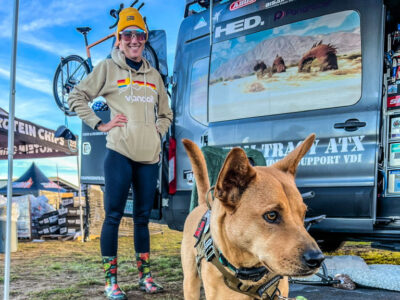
{"x":120,"y":172}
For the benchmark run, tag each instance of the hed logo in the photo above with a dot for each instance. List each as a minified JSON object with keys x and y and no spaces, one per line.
{"x":240,"y":3}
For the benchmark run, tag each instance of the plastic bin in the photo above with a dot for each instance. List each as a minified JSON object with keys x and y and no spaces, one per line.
{"x":14,"y":235}
{"x":3,"y":227}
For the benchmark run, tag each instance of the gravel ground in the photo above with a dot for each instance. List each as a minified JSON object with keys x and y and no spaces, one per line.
{"x":329,"y":293}
{"x":382,"y":276}
{"x":72,"y":270}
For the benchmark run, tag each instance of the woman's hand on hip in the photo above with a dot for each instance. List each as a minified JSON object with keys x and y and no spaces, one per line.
{"x":118,"y":121}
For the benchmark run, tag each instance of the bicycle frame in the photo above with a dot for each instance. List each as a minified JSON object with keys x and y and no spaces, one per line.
{"x":89,"y":58}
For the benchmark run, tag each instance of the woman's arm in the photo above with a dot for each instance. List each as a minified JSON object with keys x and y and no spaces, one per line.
{"x":87,"y":90}
{"x":164,"y":112}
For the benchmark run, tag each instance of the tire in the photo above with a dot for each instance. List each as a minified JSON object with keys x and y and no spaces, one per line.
{"x":330,"y":245}
{"x":69,"y":73}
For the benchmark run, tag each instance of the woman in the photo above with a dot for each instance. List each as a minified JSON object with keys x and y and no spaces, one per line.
{"x":140,"y":116}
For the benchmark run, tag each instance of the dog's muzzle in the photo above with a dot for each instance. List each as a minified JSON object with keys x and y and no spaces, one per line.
{"x":313,"y":258}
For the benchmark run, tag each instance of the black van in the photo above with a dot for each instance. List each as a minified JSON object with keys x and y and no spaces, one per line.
{"x":271,"y":73}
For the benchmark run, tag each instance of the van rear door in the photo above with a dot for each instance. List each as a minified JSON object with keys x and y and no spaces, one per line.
{"x":284,"y":72}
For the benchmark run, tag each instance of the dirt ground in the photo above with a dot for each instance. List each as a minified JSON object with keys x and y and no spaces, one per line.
{"x":72,"y":270}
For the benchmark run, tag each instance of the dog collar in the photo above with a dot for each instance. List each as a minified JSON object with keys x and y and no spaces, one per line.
{"x":264,"y":284}
{"x":253,"y":274}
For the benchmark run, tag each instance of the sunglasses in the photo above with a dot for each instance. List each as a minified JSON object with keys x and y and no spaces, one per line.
{"x":128,"y":34}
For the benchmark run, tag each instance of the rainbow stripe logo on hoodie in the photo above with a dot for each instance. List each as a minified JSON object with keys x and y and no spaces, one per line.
{"x":123,"y":83}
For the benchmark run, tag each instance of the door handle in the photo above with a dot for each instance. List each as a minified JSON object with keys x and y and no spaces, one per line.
{"x":350,"y":125}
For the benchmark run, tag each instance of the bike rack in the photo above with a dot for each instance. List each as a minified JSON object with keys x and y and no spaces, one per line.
{"x":325,"y":278}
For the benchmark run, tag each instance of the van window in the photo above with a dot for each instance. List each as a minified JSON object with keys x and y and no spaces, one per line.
{"x":198,"y":90}
{"x":306,"y":65}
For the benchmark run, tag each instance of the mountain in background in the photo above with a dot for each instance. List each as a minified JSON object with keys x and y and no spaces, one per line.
{"x":290,"y":47}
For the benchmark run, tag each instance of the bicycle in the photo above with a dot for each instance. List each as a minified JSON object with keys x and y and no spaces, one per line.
{"x":73,"y":68}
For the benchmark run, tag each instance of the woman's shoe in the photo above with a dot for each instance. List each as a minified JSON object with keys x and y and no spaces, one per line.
{"x":146,"y":281}
{"x":111,"y":289}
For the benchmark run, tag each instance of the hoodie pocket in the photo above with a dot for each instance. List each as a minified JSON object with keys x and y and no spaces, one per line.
{"x":115,"y":135}
{"x":145,"y":144}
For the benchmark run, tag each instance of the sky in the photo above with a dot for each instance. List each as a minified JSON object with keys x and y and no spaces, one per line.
{"x":46,"y":31}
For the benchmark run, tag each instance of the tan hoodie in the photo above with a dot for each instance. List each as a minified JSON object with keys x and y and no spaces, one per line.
{"x":139,"y":95}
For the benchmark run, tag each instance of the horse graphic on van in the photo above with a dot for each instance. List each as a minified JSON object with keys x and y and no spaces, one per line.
{"x":278,"y":66}
{"x":322,"y":55}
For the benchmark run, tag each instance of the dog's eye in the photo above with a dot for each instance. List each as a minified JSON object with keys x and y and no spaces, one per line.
{"x":271,"y":216}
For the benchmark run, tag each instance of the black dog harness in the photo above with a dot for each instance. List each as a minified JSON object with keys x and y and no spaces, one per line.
{"x":265,"y":284}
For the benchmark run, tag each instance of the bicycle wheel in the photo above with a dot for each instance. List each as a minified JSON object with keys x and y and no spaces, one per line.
{"x":69,"y":73}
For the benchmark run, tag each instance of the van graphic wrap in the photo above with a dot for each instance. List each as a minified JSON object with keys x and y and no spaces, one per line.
{"x":307,"y":65}
{"x":335,"y":151}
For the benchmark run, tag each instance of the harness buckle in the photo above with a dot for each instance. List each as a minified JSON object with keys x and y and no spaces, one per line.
{"x":263,"y":288}
{"x":253,"y":274}
{"x":209,"y":249}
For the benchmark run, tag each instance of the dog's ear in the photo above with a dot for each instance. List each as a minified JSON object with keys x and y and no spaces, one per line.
{"x":235,"y":175}
{"x":291,"y":161}
{"x":199,"y":167}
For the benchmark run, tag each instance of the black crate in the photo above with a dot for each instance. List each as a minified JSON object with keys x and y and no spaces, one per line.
{"x":62,"y":221}
{"x":54,"y":229}
{"x":68,"y":230}
{"x":74,"y":221}
{"x":63,"y":211}
{"x":67,"y":202}
{"x":75,"y":211}
{"x":49,"y":218}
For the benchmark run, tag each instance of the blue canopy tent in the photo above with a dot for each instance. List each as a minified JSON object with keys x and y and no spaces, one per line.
{"x":31,"y":182}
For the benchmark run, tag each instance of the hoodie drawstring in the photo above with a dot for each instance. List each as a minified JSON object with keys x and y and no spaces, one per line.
{"x":130,"y":81}
{"x":145,"y":91}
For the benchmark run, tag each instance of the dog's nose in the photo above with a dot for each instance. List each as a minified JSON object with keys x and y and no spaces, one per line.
{"x":313,"y":258}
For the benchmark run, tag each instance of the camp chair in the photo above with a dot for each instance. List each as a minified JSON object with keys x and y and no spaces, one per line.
{"x":215,"y":158}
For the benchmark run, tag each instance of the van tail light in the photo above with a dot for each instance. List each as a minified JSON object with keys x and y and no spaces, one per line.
{"x":172,"y":166}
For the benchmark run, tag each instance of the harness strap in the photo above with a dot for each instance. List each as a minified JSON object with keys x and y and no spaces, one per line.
{"x":212,"y":196}
{"x":266,"y":290}
{"x":205,"y":247}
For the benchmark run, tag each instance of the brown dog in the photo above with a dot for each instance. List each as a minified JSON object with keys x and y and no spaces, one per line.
{"x":256,"y":221}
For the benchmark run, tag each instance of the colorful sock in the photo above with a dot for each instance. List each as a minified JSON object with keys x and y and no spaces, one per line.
{"x":146,"y":282}
{"x":111,"y":289}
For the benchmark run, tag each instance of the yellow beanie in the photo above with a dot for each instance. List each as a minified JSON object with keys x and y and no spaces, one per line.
{"x":130,"y":17}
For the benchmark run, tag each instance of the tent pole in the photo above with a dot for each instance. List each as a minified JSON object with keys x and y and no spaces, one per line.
{"x":59,"y":196}
{"x":80,"y":197}
{"x":11,"y":115}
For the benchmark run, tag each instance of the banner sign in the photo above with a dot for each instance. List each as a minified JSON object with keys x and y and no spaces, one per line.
{"x":32,"y":140}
